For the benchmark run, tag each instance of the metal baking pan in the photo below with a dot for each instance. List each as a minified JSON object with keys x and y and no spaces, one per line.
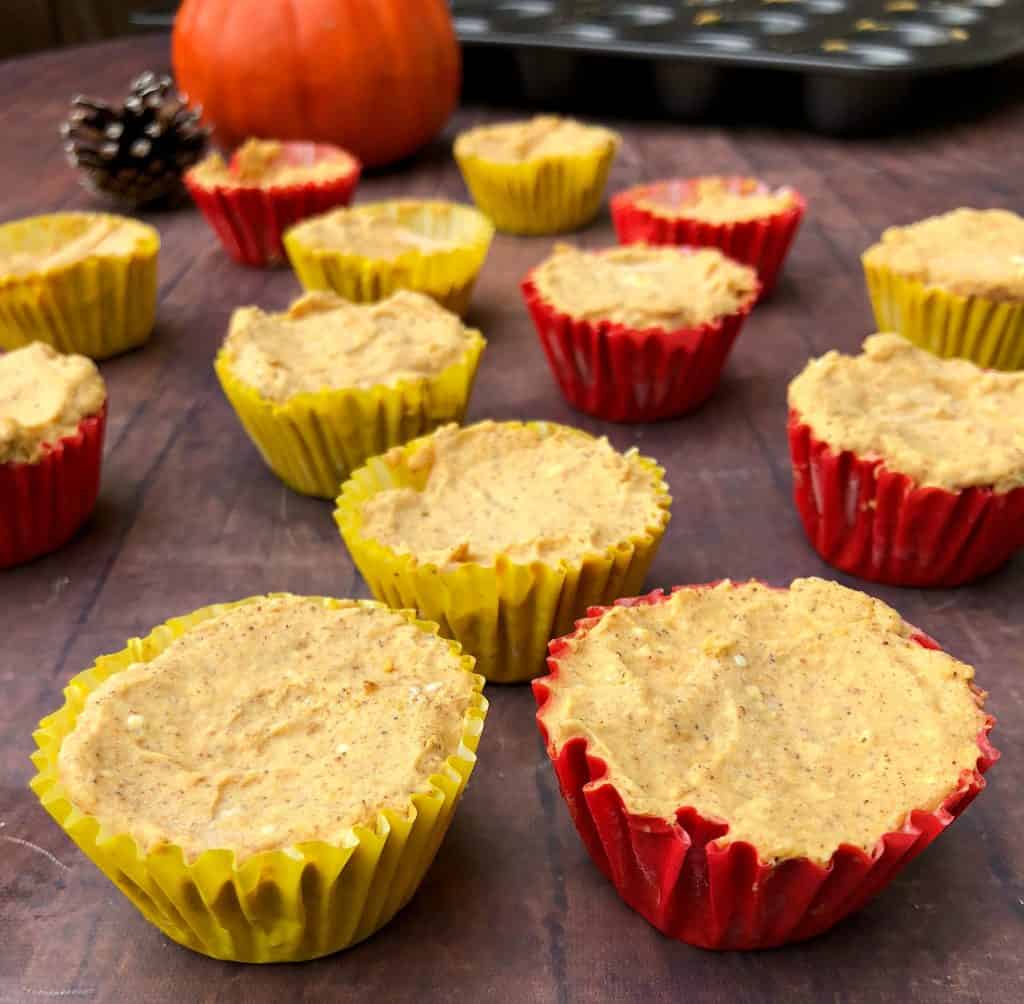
{"x":835,"y":36}
{"x":855,"y":65}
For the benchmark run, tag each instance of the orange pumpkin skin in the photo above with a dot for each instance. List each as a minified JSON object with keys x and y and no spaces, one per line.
{"x":377,"y":77}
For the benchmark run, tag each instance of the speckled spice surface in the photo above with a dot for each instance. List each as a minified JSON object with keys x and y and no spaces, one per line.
{"x":512,"y":910}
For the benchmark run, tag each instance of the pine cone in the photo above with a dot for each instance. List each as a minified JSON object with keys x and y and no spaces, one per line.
{"x":135,"y":152}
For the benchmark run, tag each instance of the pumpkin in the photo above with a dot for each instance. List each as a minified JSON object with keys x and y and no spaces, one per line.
{"x":377,"y":77}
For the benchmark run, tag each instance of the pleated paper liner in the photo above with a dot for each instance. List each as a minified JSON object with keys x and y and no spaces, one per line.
{"x":547,"y":195}
{"x":882,"y":526}
{"x":505,"y":613}
{"x":447,"y":273}
{"x":723,"y":896}
{"x":250,"y":220}
{"x":44,"y":503}
{"x":988,"y":332}
{"x":621,"y":374}
{"x":314,"y":441}
{"x":761,"y":243}
{"x":98,"y":306}
{"x":287,"y":905}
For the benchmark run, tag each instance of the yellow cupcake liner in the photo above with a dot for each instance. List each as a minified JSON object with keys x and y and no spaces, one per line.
{"x":988,"y":332}
{"x":98,"y":306}
{"x":546,"y":195}
{"x":287,"y":905}
{"x":313,"y":441}
{"x":503,"y":614}
{"x":446,"y":273}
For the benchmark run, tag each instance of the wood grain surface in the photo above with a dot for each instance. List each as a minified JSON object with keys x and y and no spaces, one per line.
{"x":28,"y":25}
{"x":512,"y":910}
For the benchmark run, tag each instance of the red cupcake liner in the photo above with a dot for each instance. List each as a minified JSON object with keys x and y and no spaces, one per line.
{"x":726,"y":897}
{"x":42,"y":504}
{"x":881,"y":525}
{"x":622,"y":374}
{"x":761,"y":243}
{"x":250,"y":221}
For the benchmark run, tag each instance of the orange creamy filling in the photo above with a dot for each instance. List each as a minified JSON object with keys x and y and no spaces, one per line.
{"x":645,"y":287}
{"x":284,"y":720}
{"x":43,"y":397}
{"x":80,"y":236}
{"x":544,"y":136}
{"x":386,"y":230}
{"x":323,"y":342}
{"x":716,"y":200}
{"x":267,"y":163}
{"x":504,"y":489}
{"x":972,"y":252}
{"x":942,"y":422}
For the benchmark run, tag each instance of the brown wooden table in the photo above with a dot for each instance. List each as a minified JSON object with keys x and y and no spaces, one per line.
{"x":512,"y":910}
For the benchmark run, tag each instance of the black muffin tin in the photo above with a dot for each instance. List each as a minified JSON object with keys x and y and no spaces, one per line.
{"x":858,"y":57}
{"x":831,"y":35}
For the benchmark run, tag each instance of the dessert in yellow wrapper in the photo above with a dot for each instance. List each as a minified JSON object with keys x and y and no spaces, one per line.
{"x":543,"y":176}
{"x":954,"y":284}
{"x":504,"y":533}
{"x":366,"y":253}
{"x":238,"y":773}
{"x":83,"y":282}
{"x":328,"y":384}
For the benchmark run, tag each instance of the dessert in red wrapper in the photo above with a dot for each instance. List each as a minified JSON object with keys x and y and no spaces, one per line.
{"x":881,"y":525}
{"x":625,"y":356}
{"x":266,"y":188}
{"x":43,"y":504}
{"x":53,"y":410}
{"x":904,"y":465}
{"x":682,"y":871}
{"x":742,"y":217}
